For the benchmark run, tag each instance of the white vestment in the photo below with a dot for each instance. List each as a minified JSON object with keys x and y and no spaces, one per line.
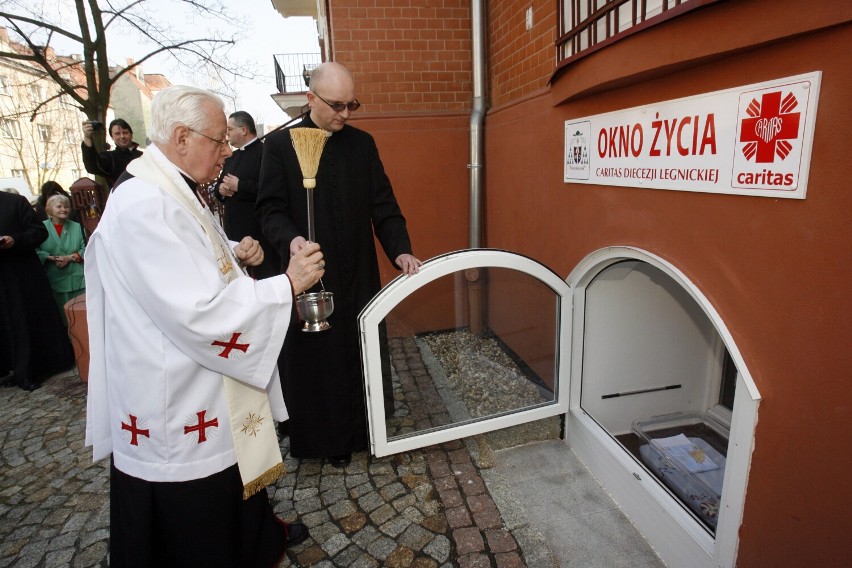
{"x":165,"y":325}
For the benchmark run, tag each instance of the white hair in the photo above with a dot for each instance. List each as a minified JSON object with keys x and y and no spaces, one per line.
{"x":56,"y":197}
{"x":179,"y":105}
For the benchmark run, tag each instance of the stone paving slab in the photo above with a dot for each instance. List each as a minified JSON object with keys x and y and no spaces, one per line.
{"x":426,"y":508}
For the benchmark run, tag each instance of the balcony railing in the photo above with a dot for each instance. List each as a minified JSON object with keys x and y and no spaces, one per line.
{"x":293,"y":71}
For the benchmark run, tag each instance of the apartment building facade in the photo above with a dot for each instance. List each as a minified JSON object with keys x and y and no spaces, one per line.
{"x":40,"y":132}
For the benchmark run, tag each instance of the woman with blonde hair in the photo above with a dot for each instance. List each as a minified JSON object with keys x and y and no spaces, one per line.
{"x":62,"y":252}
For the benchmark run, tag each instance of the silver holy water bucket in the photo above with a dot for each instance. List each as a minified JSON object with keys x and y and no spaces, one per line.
{"x":314,"y":309}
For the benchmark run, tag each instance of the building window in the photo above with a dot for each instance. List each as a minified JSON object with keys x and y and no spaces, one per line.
{"x":10,"y":128}
{"x":4,"y":86}
{"x":70,"y":136}
{"x":44,"y":133}
{"x":588,"y":25}
{"x":17,"y":173}
{"x":36,"y":93}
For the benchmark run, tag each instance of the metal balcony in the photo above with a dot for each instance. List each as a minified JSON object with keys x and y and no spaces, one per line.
{"x":293,"y":71}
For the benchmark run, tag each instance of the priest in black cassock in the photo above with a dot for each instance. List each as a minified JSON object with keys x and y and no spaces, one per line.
{"x":353,"y":199}
{"x":33,"y":340}
{"x":237,"y":190}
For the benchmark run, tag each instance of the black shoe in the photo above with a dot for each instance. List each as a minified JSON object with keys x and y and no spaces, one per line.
{"x":28,"y":386}
{"x":8,"y":379}
{"x":295,"y":533}
{"x":340,"y":461}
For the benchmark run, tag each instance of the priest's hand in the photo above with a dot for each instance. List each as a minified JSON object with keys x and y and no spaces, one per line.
{"x":306,"y":267}
{"x":248,"y":252}
{"x":297,"y":244}
{"x":229,"y":186}
{"x":408,"y":264}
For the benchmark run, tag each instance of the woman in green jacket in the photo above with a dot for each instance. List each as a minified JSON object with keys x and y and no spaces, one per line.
{"x":62,"y":252}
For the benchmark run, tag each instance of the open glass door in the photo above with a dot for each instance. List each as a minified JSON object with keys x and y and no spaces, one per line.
{"x":473,"y":343}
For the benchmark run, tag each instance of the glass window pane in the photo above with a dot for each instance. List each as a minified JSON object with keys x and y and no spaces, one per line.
{"x":470,"y":345}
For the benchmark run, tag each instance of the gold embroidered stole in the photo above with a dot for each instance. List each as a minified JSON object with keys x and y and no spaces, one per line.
{"x":250,"y":416}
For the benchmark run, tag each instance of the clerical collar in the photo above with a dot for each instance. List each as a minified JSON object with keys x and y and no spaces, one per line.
{"x":247,"y":144}
{"x":188,"y":179}
{"x":193,"y":186}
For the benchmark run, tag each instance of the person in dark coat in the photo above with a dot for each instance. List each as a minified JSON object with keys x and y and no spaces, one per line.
{"x":109,"y":164}
{"x":237,"y":190}
{"x":33,"y":341}
{"x":353,"y":199}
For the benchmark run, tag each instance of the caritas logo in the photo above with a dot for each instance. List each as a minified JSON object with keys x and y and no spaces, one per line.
{"x":771,"y":125}
{"x":769,"y":145}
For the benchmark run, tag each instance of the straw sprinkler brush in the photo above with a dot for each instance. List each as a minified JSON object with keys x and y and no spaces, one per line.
{"x":309,"y":143}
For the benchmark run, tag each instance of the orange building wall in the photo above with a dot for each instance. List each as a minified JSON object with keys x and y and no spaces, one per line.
{"x":426,"y":159}
{"x":777,"y":270}
{"x":521,"y":60}
{"x":407,"y":55}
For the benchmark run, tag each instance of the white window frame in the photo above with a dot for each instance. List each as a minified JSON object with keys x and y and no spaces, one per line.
{"x":675,"y":534}
{"x":43,"y":132}
{"x":36,"y":93}
{"x":587,"y":25}
{"x":400,"y":288}
{"x":10,"y":128}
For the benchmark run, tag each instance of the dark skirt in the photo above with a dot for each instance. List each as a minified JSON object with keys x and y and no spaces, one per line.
{"x":202,"y":522}
{"x":34,"y":342}
{"x":323,"y":390}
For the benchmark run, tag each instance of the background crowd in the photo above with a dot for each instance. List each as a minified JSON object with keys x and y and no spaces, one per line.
{"x":41,"y":268}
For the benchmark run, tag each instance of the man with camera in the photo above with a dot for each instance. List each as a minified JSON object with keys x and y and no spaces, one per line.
{"x":109,"y":164}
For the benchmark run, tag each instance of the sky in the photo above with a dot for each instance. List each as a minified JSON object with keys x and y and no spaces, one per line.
{"x":267,"y":33}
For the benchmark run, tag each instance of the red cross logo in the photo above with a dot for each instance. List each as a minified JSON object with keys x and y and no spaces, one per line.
{"x":201,"y":426}
{"x":769,"y":127}
{"x":134,"y":431}
{"x":231,"y":345}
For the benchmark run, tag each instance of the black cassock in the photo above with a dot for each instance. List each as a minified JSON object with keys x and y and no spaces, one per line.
{"x":240,"y":217}
{"x":33,"y":340}
{"x":321,"y":372}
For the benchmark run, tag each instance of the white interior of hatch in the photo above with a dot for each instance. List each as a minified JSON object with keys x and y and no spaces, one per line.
{"x":651,"y":361}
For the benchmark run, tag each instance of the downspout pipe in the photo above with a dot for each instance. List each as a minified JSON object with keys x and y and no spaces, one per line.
{"x":476,"y":300}
{"x":477,"y":119}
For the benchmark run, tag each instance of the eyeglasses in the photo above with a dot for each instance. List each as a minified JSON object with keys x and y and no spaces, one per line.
{"x":352,"y":105}
{"x":221,"y":143}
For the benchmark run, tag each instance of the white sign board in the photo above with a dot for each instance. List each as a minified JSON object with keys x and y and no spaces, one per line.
{"x":751,"y":140}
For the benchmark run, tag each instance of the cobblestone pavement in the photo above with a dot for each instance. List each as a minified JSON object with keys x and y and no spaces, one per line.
{"x":423,"y":509}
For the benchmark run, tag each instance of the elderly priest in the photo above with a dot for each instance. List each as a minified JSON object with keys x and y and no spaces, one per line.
{"x":183,"y":384}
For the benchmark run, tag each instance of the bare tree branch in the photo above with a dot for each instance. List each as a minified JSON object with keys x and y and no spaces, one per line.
{"x":40,"y":24}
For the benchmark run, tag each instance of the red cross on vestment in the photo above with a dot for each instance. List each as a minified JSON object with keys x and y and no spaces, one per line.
{"x":231,"y":345}
{"x":201,"y":427}
{"x":134,"y":431}
{"x":770,"y":126}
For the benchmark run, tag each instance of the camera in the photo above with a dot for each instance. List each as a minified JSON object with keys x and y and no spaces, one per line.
{"x":96,"y":124}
